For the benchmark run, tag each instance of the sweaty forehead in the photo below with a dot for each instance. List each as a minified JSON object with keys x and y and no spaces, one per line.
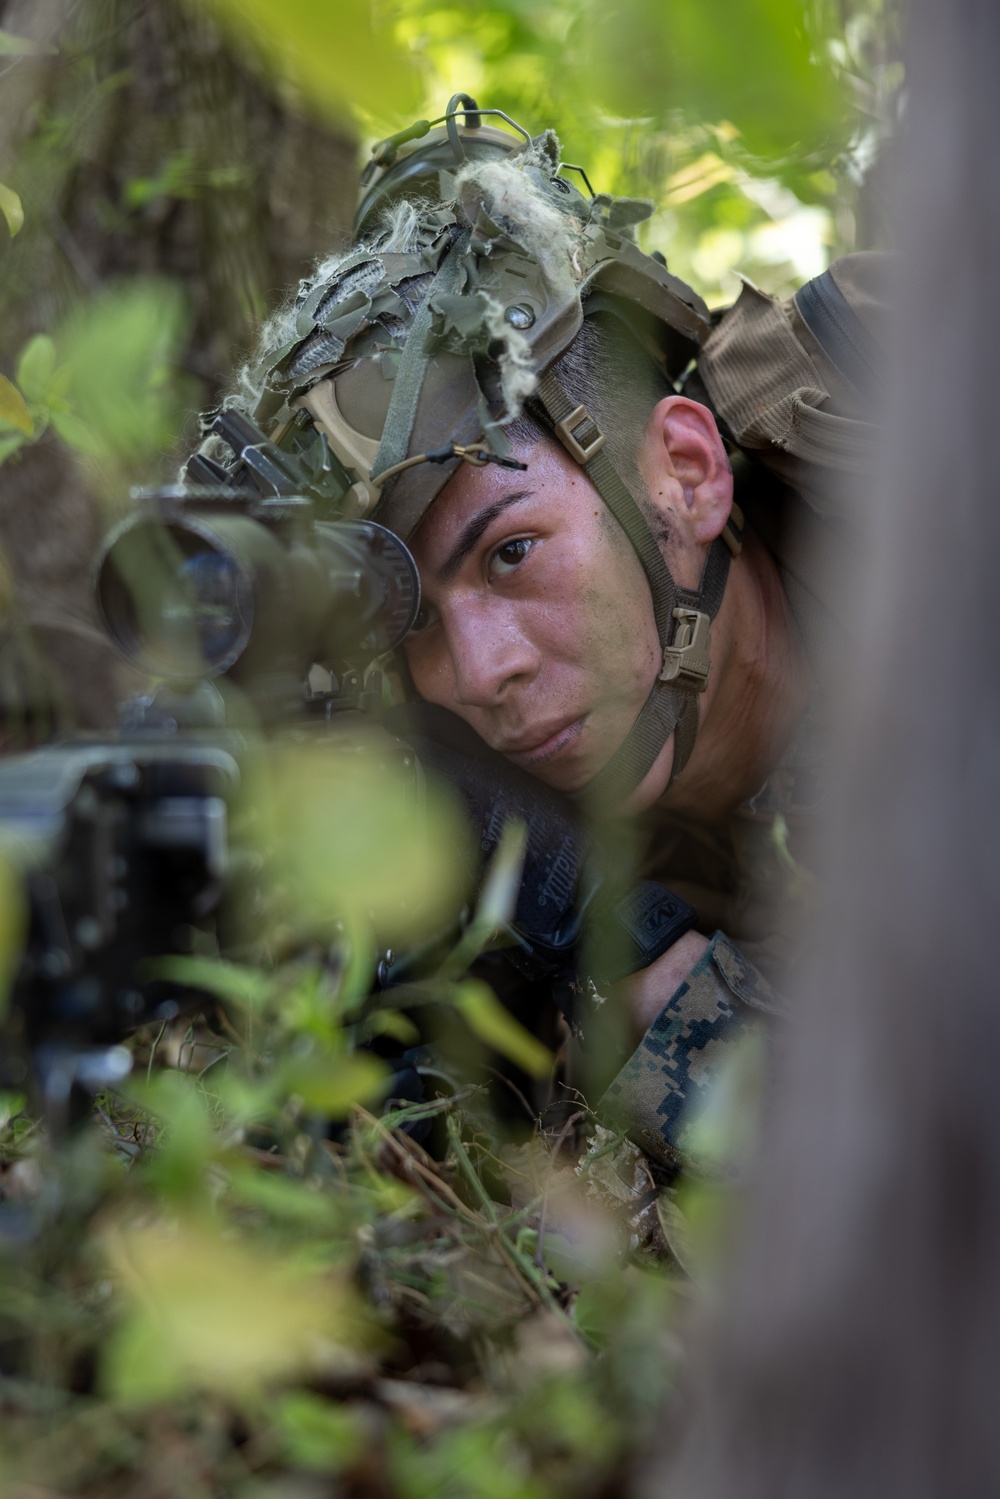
{"x":473,"y":494}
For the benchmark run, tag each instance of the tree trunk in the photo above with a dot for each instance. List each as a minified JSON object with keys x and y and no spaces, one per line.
{"x":857,"y":1353}
{"x":143,"y":145}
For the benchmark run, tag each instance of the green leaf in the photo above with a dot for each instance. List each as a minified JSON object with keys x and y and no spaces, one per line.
{"x":503,"y":880}
{"x":245,"y":1099}
{"x":208,"y":1312}
{"x":123,"y":405}
{"x":10,"y":207}
{"x":188,"y":1144}
{"x":9,"y":446}
{"x":340,"y":57}
{"x":332,"y":1086}
{"x":316,"y":1433}
{"x":77,"y":433}
{"x":11,"y":1104}
{"x":13,"y":409}
{"x":284,"y":1199}
{"x":247,"y":987}
{"x":343,"y":839}
{"x":23,"y":46}
{"x":646,"y":58}
{"x":392,"y":1023}
{"x":36,"y":367}
{"x":496,"y":1026}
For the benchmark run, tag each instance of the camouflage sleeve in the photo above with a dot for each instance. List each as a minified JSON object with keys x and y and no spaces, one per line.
{"x":680,"y":1054}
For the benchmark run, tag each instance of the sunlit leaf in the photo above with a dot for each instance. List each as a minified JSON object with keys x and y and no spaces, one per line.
{"x":316,"y":1433}
{"x":36,"y":367}
{"x":188,"y":1143}
{"x":13,"y":410}
{"x":332,"y":1085}
{"x":392,"y":1023}
{"x":78,"y":434}
{"x":123,"y":404}
{"x":246,"y":1099}
{"x":240,"y":985}
{"x":9,"y":446}
{"x":283,"y":1199}
{"x":338,"y":56}
{"x":23,"y":46}
{"x":636,"y":98}
{"x":209,"y":1313}
{"x":503,"y":878}
{"x":11,"y":1105}
{"x":346,"y":840}
{"x":693,"y":180}
{"x":11,"y":208}
{"x":487,"y":1018}
{"x":753,"y":64}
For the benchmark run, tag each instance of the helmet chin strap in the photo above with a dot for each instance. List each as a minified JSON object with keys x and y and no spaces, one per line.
{"x":682,"y":615}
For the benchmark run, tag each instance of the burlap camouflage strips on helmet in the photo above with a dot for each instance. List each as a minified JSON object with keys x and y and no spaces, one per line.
{"x":504,"y":263}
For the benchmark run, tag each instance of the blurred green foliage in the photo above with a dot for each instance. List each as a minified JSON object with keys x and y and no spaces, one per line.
{"x":217,"y":1288}
{"x":340,"y":57}
{"x":215,"y":1274}
{"x":744,"y":120}
{"x":11,"y":208}
{"x":749,"y":121}
{"x":210,"y":1278}
{"x":105,"y":380}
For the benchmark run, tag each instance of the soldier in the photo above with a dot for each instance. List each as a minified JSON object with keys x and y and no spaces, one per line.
{"x":611,"y":497}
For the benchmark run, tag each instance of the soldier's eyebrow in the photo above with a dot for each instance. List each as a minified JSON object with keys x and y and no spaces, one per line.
{"x":476,"y":529}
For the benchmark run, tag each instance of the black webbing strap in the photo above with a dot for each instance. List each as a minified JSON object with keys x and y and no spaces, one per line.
{"x":842,"y":335}
{"x":661,"y":714}
{"x":672,"y":707}
{"x":685,"y":735}
{"x":708,"y":597}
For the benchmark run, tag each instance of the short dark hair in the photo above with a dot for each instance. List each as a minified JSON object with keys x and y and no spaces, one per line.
{"x":608,"y":370}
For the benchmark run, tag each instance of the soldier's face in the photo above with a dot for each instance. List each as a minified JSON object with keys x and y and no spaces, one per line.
{"x":537,"y":625}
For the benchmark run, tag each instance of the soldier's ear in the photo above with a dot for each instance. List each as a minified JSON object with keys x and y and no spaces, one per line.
{"x":686,"y":468}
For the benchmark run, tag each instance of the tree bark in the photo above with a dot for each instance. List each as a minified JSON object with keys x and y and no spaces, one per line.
{"x":856,"y":1353}
{"x":142,"y":146}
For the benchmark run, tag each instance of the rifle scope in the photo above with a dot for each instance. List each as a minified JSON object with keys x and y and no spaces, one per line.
{"x":201,"y":583}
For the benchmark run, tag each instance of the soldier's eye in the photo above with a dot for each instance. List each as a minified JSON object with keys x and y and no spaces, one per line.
{"x":510,"y":555}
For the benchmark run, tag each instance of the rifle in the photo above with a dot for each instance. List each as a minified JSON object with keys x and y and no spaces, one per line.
{"x":257,"y":606}
{"x":254,"y":606}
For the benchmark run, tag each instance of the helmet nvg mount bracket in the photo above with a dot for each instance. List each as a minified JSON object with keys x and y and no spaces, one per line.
{"x":475,"y":264}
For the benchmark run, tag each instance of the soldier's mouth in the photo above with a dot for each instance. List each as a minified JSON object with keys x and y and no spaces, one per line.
{"x":550,"y":745}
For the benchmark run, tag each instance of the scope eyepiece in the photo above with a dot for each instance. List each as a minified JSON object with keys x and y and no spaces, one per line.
{"x":208,"y":587}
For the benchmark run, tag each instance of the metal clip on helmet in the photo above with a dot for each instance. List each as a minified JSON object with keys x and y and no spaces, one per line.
{"x":475,"y":266}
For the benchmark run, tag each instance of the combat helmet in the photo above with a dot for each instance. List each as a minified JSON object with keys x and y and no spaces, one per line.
{"x":476,"y":264}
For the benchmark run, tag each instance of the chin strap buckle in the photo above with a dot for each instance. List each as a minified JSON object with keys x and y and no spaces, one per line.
{"x":687,"y":661}
{"x":580,"y":435}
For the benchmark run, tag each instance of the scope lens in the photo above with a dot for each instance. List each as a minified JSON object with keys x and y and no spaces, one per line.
{"x":207,"y":600}
{"x":175,"y":599}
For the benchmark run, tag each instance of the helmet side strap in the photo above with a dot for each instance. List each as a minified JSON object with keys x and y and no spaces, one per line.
{"x":409,"y":381}
{"x":682,"y":615}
